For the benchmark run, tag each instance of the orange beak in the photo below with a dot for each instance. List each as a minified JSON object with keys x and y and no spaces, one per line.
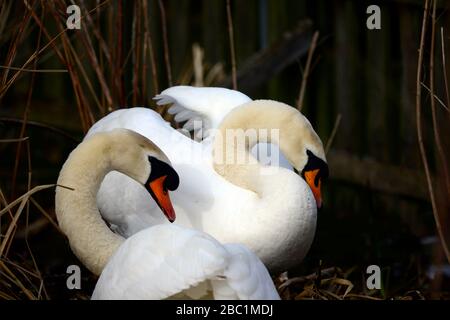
{"x":310,"y":177}
{"x":161,"y":196}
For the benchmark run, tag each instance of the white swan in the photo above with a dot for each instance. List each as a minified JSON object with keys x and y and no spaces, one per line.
{"x":273,"y":214}
{"x":160,"y":262}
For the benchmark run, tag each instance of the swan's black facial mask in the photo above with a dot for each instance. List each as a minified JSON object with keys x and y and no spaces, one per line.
{"x":314,"y":172}
{"x":162,"y":179}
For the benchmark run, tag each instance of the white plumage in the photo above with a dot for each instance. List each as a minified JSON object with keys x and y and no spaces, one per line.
{"x":167,"y":261}
{"x":277,"y":222}
{"x":208,"y":105}
{"x":163,"y":261}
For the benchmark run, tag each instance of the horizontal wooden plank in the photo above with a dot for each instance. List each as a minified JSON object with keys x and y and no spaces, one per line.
{"x":369,"y":173}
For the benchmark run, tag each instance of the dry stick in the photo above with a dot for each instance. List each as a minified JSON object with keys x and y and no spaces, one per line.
{"x":135,"y":44}
{"x":34,"y":55}
{"x":333,"y":133}
{"x":148,"y":36}
{"x":13,"y":140}
{"x":197,"y":63}
{"x":8,"y":235}
{"x":25,"y":116}
{"x":436,"y":97}
{"x":28,"y":194}
{"x":21,"y":268}
{"x":419,"y":131}
{"x":118,"y":75}
{"x":144,"y":68}
{"x":86,"y":78}
{"x":165,"y":42}
{"x":95,"y":29}
{"x":35,"y":70}
{"x":106,"y":53}
{"x":14,"y":45}
{"x":360,"y":296}
{"x":25,"y":276}
{"x":231,"y":36}
{"x":82,"y":103}
{"x":437,"y":137}
{"x":28,"y":189}
{"x":311,"y":49}
{"x":46,"y":215}
{"x":5,"y":87}
{"x":444,"y":68}
{"x":75,"y":84}
{"x":40,"y":125}
{"x":93,"y":58}
{"x":112,"y":49}
{"x":30,"y":172}
{"x":4,"y":203}
{"x":47,"y":35}
{"x":17,"y":282}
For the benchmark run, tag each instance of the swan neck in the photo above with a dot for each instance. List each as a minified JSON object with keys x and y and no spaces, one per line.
{"x":78,"y":216}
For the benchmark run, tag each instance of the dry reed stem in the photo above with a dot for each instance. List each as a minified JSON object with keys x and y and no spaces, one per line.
{"x":96,"y":31}
{"x":39,"y":125}
{"x":420,"y":135}
{"x":311,"y":50}
{"x":87,"y":79}
{"x":197,"y":64}
{"x":13,"y":140}
{"x":135,"y":40}
{"x":119,"y":53}
{"x":14,"y":46}
{"x":13,"y":278}
{"x":95,"y":64}
{"x":165,"y":42}
{"x":25,"y":116}
{"x":435,"y":97}
{"x":232,"y":52}
{"x":437,"y":136}
{"x":24,"y":197}
{"x":36,"y":70}
{"x":148,"y":37}
{"x":330,"y":140}
{"x":46,"y":215}
{"x":444,"y":68}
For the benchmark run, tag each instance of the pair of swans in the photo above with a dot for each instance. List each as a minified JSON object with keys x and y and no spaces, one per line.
{"x":274,"y":215}
{"x":163,"y":261}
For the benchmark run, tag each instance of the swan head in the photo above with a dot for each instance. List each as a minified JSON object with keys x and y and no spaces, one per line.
{"x":140,"y":159}
{"x":301,"y":145}
{"x":163,"y":178}
{"x":295,"y":137}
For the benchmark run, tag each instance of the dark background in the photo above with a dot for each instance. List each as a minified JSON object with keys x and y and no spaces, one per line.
{"x":377,"y":207}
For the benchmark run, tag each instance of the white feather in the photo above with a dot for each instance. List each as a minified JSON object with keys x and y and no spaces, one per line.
{"x":166,"y":260}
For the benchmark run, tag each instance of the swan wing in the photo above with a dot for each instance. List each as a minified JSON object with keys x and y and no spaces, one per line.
{"x":202,"y":108}
{"x":167,"y":261}
{"x":246,"y":277}
{"x":161,"y":262}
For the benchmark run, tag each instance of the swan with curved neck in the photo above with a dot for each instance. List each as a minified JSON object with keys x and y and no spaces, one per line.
{"x":296,"y":137}
{"x":159,"y":262}
{"x":281,"y":224}
{"x":76,"y":210}
{"x":273,"y":214}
